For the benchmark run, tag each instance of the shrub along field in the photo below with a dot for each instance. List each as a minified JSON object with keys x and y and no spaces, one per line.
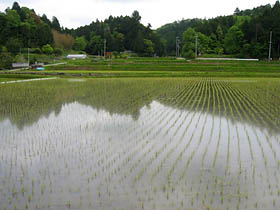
{"x":154,"y":143}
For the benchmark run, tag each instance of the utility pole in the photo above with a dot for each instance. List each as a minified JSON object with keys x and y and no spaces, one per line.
{"x":195,"y":46}
{"x":104,"y":48}
{"x":270,"y":42}
{"x":177,"y":46}
{"x":28,"y":57}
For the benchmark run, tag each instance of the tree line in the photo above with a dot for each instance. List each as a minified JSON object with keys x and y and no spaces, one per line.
{"x":243,"y":34}
{"x":121,"y":33}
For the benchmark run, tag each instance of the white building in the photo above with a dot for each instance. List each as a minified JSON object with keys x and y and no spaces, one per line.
{"x":80,"y":56}
{"x":20,"y":65}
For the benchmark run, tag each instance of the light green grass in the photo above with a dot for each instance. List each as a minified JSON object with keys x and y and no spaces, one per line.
{"x":161,"y":67}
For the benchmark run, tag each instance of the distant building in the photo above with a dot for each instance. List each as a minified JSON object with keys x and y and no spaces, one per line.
{"x":80,"y":56}
{"x":108,"y":54}
{"x":20,"y":65}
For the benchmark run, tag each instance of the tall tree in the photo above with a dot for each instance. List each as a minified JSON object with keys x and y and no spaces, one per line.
{"x":95,"y":45}
{"x":21,"y":12}
{"x":46,"y":20}
{"x":189,"y":42}
{"x":136,"y":16}
{"x":80,"y":43}
{"x":55,"y":24}
{"x":234,"y":40}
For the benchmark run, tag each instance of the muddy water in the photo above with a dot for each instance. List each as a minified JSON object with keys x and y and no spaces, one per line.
{"x":150,"y":144}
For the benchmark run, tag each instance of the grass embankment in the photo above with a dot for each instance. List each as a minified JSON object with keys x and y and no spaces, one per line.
{"x":161,"y":67}
{"x":14,"y":76}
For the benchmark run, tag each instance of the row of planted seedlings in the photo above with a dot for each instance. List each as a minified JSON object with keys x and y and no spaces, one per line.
{"x":192,"y":169}
{"x":43,"y":186}
{"x":111,"y":171}
{"x":264,"y":96}
{"x":248,"y":131}
{"x":121,"y":166}
{"x":171,"y":124}
{"x":144,"y":150}
{"x":167,"y":187}
{"x":239,"y":169}
{"x":239,"y":194}
{"x":268,"y":100}
{"x":268,"y":155}
{"x":139,"y":169}
{"x":247,"y":150}
{"x":228,"y":184}
{"x":163,"y":185}
{"x":205,"y":191}
{"x":153,"y":159}
{"x":100,"y":159}
{"x":40,"y":167}
{"x":180,"y":130}
{"x":189,"y":138}
{"x":117,"y":167}
{"x":268,"y":119}
{"x":220,"y":184}
{"x":191,"y":162}
{"x":141,"y":130}
{"x":172,"y":188}
{"x":251,"y":115}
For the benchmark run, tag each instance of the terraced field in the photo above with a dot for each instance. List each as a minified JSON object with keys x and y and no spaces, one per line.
{"x":195,"y":143}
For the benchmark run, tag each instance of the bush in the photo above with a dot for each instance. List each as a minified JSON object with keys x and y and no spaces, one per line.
{"x":20,"y":59}
{"x":47,"y":49}
{"x":6,"y":60}
{"x":189,"y":54}
{"x":115,"y":54}
{"x":124,"y":55}
{"x":13,"y":45}
{"x":4,"y":49}
{"x":36,"y":50}
{"x":33,"y":60}
{"x":57,"y":51}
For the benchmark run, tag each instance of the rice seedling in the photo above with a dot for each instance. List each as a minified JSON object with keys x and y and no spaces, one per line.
{"x":166,"y":142}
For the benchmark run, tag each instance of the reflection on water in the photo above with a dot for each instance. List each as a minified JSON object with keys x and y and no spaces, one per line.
{"x":24,"y":104}
{"x":140,"y":144}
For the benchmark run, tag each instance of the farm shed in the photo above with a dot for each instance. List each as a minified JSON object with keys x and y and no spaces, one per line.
{"x":20,"y":65}
{"x":80,"y":56}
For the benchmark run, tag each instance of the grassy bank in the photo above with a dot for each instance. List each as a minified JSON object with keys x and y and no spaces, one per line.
{"x":160,"y":67}
{"x":16,"y":76}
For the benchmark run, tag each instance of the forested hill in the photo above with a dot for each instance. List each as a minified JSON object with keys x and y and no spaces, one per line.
{"x":22,"y":27}
{"x":245,"y":33}
{"x":121,"y":33}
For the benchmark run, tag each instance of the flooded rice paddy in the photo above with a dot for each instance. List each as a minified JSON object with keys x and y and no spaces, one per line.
{"x":129,"y":144}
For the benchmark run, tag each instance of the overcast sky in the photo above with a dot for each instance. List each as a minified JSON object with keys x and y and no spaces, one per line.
{"x":73,"y":14}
